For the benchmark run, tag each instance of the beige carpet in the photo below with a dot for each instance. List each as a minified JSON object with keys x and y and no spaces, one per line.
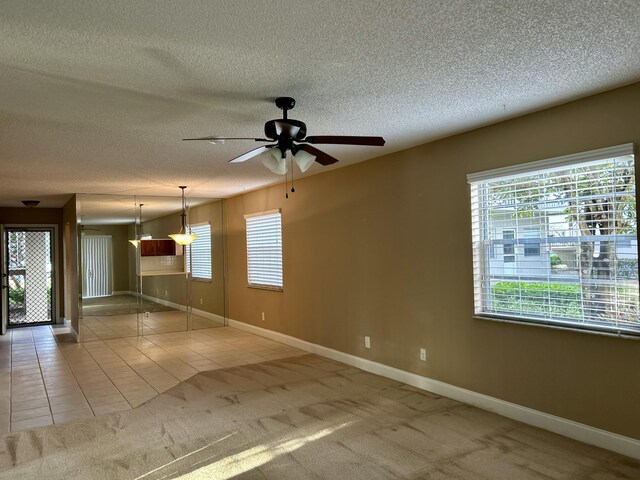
{"x":301,"y":418}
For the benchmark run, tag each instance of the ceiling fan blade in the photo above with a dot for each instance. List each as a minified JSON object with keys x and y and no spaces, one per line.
{"x":321,"y":157}
{"x":252,"y":153}
{"x":346,"y":140}
{"x":222,"y":139}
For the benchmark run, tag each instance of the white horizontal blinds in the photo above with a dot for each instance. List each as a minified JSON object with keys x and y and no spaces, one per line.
{"x":198,"y":254}
{"x":264,"y":249}
{"x":559,"y":244}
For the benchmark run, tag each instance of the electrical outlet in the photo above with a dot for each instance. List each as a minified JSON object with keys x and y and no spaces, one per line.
{"x":423,"y":354}
{"x":146,"y":314}
{"x":367,"y":342}
{"x":201,"y":301}
{"x":263,"y":316}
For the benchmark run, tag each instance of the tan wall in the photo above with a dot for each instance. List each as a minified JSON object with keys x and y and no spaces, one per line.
{"x":70,"y":236}
{"x":41,"y":216}
{"x":210,"y":296}
{"x":120,"y":250}
{"x":383,"y":248}
{"x":131,"y":255}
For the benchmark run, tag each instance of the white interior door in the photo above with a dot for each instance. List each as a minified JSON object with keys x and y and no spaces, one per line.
{"x":97,"y":266}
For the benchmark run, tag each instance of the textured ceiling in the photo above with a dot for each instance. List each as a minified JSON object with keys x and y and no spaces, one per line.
{"x":105,"y":209}
{"x":96,"y":96}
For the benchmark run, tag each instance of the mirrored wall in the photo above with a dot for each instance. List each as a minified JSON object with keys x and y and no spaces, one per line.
{"x":135,"y":280}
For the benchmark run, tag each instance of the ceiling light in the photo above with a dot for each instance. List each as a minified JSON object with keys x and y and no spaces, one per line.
{"x":182,"y":237}
{"x":135,"y":243}
{"x":273,"y":161}
{"x":304,"y":160}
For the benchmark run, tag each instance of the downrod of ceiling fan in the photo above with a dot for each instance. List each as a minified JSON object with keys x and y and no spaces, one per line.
{"x":284,"y":104}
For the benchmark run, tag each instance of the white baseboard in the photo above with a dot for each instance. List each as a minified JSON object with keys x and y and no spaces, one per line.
{"x":578,"y":431}
{"x":209,"y":316}
{"x":67,"y":323}
{"x":201,"y":313}
{"x":166,"y":303}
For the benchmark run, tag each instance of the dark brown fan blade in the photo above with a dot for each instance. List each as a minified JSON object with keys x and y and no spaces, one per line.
{"x":346,"y":140}
{"x":252,"y":153}
{"x":321,"y":157}
{"x":222,"y":139}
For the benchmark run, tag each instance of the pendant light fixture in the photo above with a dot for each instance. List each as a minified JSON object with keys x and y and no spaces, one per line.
{"x":183,"y":237}
{"x":136,"y":242}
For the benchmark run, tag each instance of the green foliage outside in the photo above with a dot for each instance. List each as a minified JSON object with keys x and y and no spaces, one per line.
{"x":557,"y":300}
{"x":16,"y":296}
{"x":627,"y":268}
{"x":555,"y":260}
{"x":562,"y":300}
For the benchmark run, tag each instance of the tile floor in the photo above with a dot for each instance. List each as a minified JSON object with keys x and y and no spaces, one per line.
{"x":107,"y":327}
{"x":46,"y":377}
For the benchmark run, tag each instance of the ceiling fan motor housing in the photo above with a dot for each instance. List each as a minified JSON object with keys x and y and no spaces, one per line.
{"x":295,"y":129}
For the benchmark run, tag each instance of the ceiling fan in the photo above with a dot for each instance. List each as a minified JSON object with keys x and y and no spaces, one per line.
{"x":290,"y":135}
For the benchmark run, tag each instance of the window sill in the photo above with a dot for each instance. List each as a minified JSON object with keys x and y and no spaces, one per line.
{"x":202,"y":280}
{"x":266,"y":287}
{"x":619,"y":334}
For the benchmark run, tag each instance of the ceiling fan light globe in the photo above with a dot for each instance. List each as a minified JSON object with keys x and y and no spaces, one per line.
{"x":304,"y":160}
{"x":274,"y":162}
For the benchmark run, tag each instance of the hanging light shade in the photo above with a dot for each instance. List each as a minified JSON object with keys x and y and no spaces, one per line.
{"x":304,"y":160}
{"x":135,"y":243}
{"x":183,"y":237}
{"x":273,"y":161}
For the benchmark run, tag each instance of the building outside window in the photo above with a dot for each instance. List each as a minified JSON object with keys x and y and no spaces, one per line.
{"x":532,"y":249}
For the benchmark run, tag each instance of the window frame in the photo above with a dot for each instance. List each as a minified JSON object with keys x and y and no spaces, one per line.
{"x":265,"y":286}
{"x":482,"y":255}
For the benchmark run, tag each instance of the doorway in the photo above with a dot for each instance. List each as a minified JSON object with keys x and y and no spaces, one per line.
{"x":97,"y":253}
{"x":29,"y":289}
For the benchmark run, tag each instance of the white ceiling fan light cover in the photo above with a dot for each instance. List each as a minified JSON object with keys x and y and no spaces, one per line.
{"x":304,"y":160}
{"x":274,"y":162}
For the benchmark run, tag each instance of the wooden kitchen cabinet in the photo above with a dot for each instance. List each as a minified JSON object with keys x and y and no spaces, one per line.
{"x":155,"y":248}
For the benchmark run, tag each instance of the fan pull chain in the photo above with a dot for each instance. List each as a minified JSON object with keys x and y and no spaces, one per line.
{"x":293,"y":190}
{"x":286,"y":186}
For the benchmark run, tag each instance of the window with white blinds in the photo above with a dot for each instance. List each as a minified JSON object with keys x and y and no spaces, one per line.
{"x":556,"y":242}
{"x":264,"y":250}
{"x":198,"y":253}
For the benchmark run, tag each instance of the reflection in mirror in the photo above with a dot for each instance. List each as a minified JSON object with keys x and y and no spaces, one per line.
{"x":135,"y":280}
